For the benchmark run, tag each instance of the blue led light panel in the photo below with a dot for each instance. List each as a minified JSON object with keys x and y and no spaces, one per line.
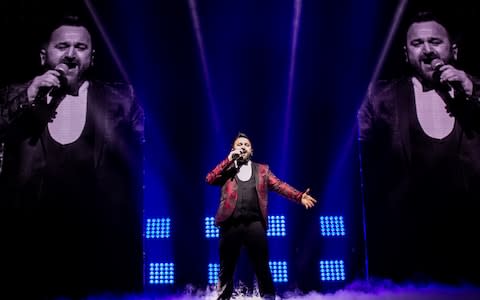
{"x":213,"y":270}
{"x":211,"y":231}
{"x":161,"y":273}
{"x":279,"y":271}
{"x":157,"y":228}
{"x":276,"y":226}
{"x":332,"y":226}
{"x":332,"y":270}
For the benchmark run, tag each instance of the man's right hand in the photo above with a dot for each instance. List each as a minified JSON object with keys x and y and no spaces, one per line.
{"x":51,"y":78}
{"x":234,"y":153}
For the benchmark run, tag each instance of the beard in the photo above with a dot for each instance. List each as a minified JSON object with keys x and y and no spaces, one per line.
{"x":243,"y":160}
{"x":76,"y":74}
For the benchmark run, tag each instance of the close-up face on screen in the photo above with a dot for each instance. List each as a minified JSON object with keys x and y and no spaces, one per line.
{"x":217,"y":150}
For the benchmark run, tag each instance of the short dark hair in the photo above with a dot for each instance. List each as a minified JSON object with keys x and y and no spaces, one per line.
{"x":430,"y":16}
{"x":240,"y":135}
{"x":66,"y":20}
{"x":425,"y":16}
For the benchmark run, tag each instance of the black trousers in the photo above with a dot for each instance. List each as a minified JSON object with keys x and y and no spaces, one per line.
{"x":252,"y":235}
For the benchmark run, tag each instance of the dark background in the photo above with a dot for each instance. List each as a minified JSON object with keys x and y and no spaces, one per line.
{"x":309,"y":140}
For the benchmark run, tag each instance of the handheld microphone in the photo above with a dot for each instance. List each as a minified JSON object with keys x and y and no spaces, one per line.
{"x":456,"y":86}
{"x":53,"y":90}
{"x":42,"y":111}
{"x":237,"y":156}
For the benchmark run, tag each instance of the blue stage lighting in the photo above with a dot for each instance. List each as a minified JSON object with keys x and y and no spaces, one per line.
{"x":211,"y":231}
{"x":279,"y":271}
{"x":161,"y":273}
{"x":276,"y":226}
{"x":157,"y":228}
{"x":213,"y":270}
{"x":332,"y":226}
{"x":332,"y":270}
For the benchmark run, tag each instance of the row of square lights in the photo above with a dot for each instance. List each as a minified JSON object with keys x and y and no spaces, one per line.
{"x":164,"y":273}
{"x":159,"y":228}
{"x":278,"y":269}
{"x":276,"y":227}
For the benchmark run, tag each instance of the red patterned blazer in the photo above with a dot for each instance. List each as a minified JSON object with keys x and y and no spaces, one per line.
{"x":224,"y":174}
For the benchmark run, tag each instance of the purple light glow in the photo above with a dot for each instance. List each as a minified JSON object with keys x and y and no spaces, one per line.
{"x":291,"y":75}
{"x":381,"y":290}
{"x":105,"y":37}
{"x":201,"y":48}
